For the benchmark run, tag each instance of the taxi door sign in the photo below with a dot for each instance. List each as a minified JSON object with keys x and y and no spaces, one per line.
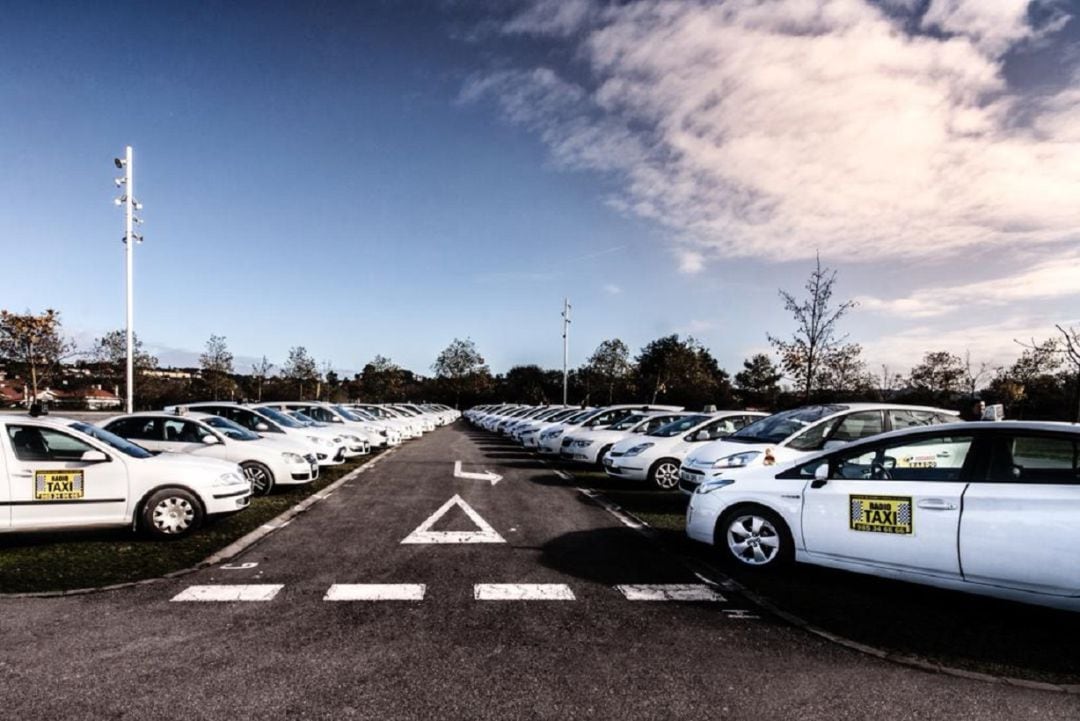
{"x":58,"y":485}
{"x":881,"y":514}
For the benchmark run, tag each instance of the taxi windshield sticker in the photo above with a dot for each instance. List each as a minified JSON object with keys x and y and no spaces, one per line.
{"x":881,"y":514}
{"x":58,"y":485}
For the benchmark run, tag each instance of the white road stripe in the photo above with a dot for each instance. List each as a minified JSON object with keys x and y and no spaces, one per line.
{"x":522,"y":592}
{"x":484,"y":534}
{"x":375,"y":592}
{"x":230,"y":592}
{"x":670,"y":592}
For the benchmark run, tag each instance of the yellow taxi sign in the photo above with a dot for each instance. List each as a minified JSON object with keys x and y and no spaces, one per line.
{"x":58,"y":485}
{"x":882,"y":514}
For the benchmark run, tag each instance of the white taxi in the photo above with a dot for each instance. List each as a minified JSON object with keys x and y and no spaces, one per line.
{"x":655,"y":456}
{"x":789,"y":435}
{"x":266,"y":462}
{"x":988,"y":508}
{"x":57,"y":473}
{"x":590,"y":445}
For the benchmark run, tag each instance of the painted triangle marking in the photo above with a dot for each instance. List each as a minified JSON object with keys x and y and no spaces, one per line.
{"x":424,"y":534}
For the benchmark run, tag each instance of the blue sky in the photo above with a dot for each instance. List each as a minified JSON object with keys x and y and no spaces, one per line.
{"x":382,"y":177}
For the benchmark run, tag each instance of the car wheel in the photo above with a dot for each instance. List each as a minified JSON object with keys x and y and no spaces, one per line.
{"x":754,"y":538}
{"x":600,"y":456}
{"x":171,"y":513}
{"x":665,"y":474}
{"x":262,"y":480}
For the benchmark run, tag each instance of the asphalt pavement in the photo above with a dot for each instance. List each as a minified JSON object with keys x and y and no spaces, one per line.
{"x":524,"y":599}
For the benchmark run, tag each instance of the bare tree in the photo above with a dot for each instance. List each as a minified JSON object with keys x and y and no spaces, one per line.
{"x":975,"y":376}
{"x":1071,"y":340}
{"x":34,"y":342}
{"x":803,"y":356}
{"x":260,"y":371}
{"x":217,"y":365}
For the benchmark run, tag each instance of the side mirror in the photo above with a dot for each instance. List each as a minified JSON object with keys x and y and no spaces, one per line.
{"x":94,"y":457}
{"x":261,"y":427}
{"x":821,"y":473}
{"x":210,"y":440}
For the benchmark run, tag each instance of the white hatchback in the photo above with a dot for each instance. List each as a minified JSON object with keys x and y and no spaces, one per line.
{"x":57,"y":474}
{"x":989,"y":508}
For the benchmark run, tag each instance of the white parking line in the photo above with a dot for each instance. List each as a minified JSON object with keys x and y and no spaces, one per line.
{"x":670,"y":592}
{"x":230,"y":592}
{"x":522,"y":592}
{"x":375,"y":592}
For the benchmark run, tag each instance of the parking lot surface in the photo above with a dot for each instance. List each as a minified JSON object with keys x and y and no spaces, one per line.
{"x":456,"y":579}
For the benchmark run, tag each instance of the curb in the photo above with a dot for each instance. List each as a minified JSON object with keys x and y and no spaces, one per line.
{"x":728,"y":583}
{"x":231,"y":551}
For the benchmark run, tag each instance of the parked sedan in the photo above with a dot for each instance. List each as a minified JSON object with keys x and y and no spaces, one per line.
{"x":989,"y":508}
{"x":790,"y":435}
{"x":265,"y":462}
{"x":63,"y":474}
{"x":590,"y":445}
{"x":655,"y":456}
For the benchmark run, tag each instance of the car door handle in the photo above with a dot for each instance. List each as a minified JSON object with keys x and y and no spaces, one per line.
{"x":936,"y":504}
{"x":27,"y":474}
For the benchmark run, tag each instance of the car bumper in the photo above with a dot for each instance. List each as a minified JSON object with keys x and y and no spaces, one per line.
{"x":227,"y":500}
{"x":630,"y":469}
{"x":701,"y":518}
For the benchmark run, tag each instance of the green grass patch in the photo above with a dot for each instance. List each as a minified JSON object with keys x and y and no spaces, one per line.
{"x":60,"y":561}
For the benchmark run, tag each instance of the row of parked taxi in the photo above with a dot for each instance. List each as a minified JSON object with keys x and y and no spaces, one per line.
{"x":899,"y":491}
{"x":165,"y":472}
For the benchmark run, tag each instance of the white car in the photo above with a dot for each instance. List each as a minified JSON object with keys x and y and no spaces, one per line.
{"x":405,"y":427}
{"x":359,"y":436}
{"x":551,"y":440}
{"x":790,"y":435}
{"x":265,"y":462}
{"x":655,"y":456}
{"x":590,"y":445}
{"x":57,"y":473}
{"x":329,"y":448}
{"x":989,"y":508}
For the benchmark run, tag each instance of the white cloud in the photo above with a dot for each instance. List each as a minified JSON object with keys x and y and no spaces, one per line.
{"x":1055,"y":278}
{"x":773,"y":129}
{"x":612,"y":289}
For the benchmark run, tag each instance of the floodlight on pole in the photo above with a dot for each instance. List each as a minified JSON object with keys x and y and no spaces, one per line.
{"x":130,"y":238}
{"x":565,"y":348}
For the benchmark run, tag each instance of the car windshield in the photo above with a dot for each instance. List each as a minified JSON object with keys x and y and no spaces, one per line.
{"x":577,"y":417}
{"x":231,"y":429}
{"x":112,"y":440}
{"x":629,"y":422}
{"x":780,"y":426}
{"x":306,"y":420}
{"x":279,"y":417}
{"x":363,"y":415}
{"x":680,"y":426}
{"x":347,"y":414}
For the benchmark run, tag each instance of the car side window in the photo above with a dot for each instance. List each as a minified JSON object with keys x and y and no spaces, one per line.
{"x":31,"y":443}
{"x":1019,"y":458}
{"x":136,"y":429}
{"x":856,"y":426}
{"x":180,"y":431}
{"x":813,"y":437}
{"x":721,"y":428}
{"x":901,"y":418}
{"x":940,"y":458}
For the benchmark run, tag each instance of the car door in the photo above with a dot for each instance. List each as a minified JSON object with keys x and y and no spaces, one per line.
{"x":1021,"y":526}
{"x":895,"y":504}
{"x":183,"y":435}
{"x":146,"y":431}
{"x":5,"y":485}
{"x":52,"y":485}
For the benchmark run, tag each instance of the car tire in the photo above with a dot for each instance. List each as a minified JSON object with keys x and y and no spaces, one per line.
{"x":664,"y":474}
{"x":262,"y":480}
{"x":600,"y":456}
{"x":754,"y":538}
{"x":171,"y":513}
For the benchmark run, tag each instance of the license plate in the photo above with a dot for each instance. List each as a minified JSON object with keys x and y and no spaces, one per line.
{"x":58,"y":485}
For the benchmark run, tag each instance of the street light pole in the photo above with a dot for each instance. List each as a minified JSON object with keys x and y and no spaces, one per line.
{"x":565,"y":347}
{"x":130,"y":238}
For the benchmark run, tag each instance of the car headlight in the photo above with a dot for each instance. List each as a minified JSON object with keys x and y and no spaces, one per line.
{"x":292,"y":458}
{"x":229,"y":479}
{"x":582,"y":444}
{"x":737,"y":461}
{"x":317,"y":441}
{"x":639,"y":449}
{"x":713,"y":485}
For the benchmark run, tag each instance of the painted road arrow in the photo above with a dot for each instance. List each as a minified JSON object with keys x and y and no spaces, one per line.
{"x":485,"y":476}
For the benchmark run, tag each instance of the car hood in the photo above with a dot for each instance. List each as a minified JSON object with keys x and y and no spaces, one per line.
{"x":188,"y":462}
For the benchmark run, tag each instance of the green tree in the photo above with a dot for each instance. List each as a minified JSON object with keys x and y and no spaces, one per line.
{"x":382,"y":380}
{"x":939,"y":376}
{"x":34,"y":344}
{"x":461,"y":369}
{"x":525,"y":384}
{"x":759,"y":381}
{"x":682,"y":372}
{"x":610,"y":366}
{"x":844,"y":373}
{"x":300,"y":368}
{"x":217,"y":366}
{"x":815,"y":335}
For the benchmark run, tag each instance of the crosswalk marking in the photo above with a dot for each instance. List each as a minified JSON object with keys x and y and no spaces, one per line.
{"x":375,"y":592}
{"x":522,"y":592}
{"x":670,"y":592}
{"x":230,"y":592}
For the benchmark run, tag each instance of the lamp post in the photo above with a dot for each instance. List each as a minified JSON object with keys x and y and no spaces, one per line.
{"x":565,"y":346}
{"x":127,"y":200}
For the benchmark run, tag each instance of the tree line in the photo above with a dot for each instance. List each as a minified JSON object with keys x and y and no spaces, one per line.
{"x":816,"y":363}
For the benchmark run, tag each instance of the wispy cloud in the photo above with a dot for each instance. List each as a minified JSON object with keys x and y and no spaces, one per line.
{"x":612,"y":289}
{"x":769,"y":129}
